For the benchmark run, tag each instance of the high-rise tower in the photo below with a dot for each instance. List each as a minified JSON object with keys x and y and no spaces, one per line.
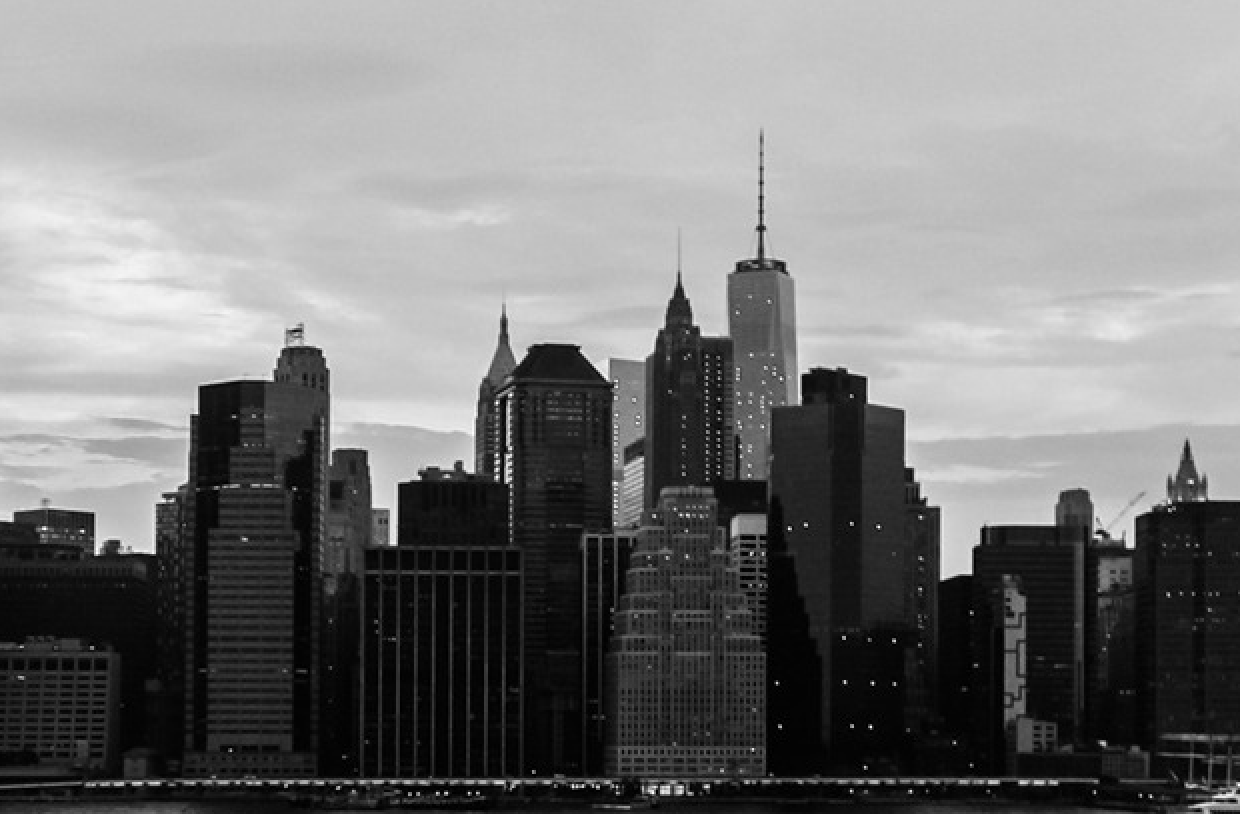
{"x":762,"y":324}
{"x":689,"y":401}
{"x":256,"y":519}
{"x":486,"y":424}
{"x":555,"y":457}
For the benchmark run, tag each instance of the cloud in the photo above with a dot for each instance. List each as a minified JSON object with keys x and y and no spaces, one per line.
{"x":979,"y":475}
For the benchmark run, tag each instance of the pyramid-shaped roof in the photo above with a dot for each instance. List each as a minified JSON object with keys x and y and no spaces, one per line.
{"x":557,"y":362}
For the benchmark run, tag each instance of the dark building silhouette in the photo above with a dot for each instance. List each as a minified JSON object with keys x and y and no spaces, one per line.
{"x":441,"y":644}
{"x":957,"y":681}
{"x":922,"y":530}
{"x":21,"y":541}
{"x":486,"y":421}
{"x":604,"y":564}
{"x":171,"y":549}
{"x":256,"y":528}
{"x":103,"y":601}
{"x":61,"y":526}
{"x":1187,"y":567}
{"x":689,"y":403}
{"x":556,"y":452}
{"x":349,"y":518}
{"x":1048,"y":563}
{"x":838,"y":506}
{"x":763,"y":328}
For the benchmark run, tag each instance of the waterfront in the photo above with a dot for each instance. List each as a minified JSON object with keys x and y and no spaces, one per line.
{"x":82,"y":806}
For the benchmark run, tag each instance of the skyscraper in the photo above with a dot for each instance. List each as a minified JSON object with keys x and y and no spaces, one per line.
{"x":349,"y":531}
{"x":555,"y":445}
{"x":441,"y":675}
{"x":256,"y":523}
{"x":486,"y":423}
{"x":628,"y":424}
{"x":838,"y":507}
{"x":689,"y":402}
{"x":686,"y":694}
{"x":762,"y":324}
{"x":1050,"y":564}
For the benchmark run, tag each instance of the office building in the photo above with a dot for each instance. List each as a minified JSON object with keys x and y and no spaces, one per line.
{"x":486,"y":421}
{"x":349,"y":532}
{"x":762,"y":325}
{"x":257,"y":524}
{"x":689,"y":403}
{"x":441,"y":642}
{"x":61,"y":526}
{"x":1049,"y":562}
{"x":628,"y":425}
{"x":60,"y":699}
{"x":105,"y":601}
{"x":686,"y":696}
{"x":604,"y":565}
{"x":555,"y":440}
{"x":922,"y":530}
{"x":171,"y":548}
{"x":1186,"y":569}
{"x":838,"y":508}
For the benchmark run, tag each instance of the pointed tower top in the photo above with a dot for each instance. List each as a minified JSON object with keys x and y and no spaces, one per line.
{"x":502,"y":362}
{"x":679,"y":312}
{"x":1187,"y":485}
{"x":761,"y":195}
{"x":761,"y":262}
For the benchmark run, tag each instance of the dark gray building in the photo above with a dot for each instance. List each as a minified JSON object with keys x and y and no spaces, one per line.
{"x":256,"y":527}
{"x":689,"y":403}
{"x":441,"y":642}
{"x":555,"y":442}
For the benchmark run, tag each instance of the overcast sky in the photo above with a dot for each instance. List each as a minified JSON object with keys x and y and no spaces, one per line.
{"x":1019,"y":220}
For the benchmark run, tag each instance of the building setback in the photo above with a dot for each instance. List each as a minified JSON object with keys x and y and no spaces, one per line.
{"x":689,"y":404}
{"x":256,"y":524}
{"x":686,"y":689}
{"x":441,"y":635}
{"x":762,"y":325}
{"x":555,"y":442}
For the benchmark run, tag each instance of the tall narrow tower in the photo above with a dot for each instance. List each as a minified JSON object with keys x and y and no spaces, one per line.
{"x":689,"y":401}
{"x":486,"y":424}
{"x":762,"y":324}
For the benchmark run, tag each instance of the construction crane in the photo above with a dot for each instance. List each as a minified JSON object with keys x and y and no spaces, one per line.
{"x":1105,"y":531}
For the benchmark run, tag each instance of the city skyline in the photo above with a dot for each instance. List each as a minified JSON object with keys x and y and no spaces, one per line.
{"x":1015,"y":222}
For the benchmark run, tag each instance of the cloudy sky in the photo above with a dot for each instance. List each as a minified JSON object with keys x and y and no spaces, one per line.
{"x":1018,"y":219}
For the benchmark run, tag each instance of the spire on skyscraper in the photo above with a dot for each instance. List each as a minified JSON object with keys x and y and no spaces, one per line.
{"x":502,"y":362}
{"x":761,"y":195}
{"x":1187,"y":486}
